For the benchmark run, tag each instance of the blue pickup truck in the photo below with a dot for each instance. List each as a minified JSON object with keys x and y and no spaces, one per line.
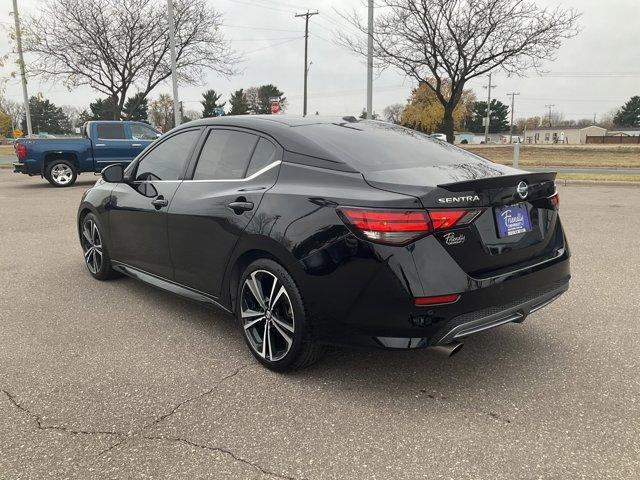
{"x":61,"y":160}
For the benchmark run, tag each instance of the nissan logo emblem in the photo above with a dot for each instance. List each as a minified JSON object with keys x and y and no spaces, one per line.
{"x":523,"y":190}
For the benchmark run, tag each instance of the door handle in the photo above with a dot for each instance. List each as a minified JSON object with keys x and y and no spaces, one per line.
{"x":159,"y":202}
{"x":101,"y":145}
{"x":136,"y":144}
{"x":241,"y":206}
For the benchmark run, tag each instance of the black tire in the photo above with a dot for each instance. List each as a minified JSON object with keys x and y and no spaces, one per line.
{"x":301,"y":352}
{"x":61,"y":173}
{"x":97,"y":261}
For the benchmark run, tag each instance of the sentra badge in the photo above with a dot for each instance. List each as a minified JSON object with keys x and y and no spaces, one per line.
{"x":467,"y":198}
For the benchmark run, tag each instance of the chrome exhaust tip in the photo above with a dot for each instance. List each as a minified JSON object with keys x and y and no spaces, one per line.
{"x":448,"y":350}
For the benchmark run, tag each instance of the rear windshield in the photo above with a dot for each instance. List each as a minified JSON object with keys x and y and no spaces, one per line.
{"x":370,"y":146}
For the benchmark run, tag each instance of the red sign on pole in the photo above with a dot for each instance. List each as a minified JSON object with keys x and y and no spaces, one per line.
{"x":275,"y":106}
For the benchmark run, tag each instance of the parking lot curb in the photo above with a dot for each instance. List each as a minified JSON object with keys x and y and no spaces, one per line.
{"x":598,"y":183}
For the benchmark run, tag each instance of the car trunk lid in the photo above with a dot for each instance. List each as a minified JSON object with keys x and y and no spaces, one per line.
{"x":517,"y":224}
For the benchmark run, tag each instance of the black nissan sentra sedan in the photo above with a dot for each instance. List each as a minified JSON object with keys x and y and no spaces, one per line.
{"x":316,"y":231}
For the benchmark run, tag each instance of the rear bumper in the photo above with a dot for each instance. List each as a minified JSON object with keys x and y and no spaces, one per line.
{"x":485,"y":319}
{"x":508,"y":299}
{"x":28,"y":168}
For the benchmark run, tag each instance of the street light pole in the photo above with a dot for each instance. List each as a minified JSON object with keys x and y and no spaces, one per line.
{"x":370,"y":62}
{"x":174,"y":76}
{"x":25,"y":93}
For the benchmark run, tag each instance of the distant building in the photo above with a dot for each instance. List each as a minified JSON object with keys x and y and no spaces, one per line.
{"x":563,"y":135}
{"x":495,"y":138}
{"x":464,"y":138}
{"x":624,"y":132}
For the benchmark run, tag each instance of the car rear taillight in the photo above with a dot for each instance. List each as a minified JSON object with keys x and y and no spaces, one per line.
{"x":399,"y":227}
{"x":396,"y":227}
{"x":21,"y":151}
{"x":555,"y":200}
{"x":445,"y":219}
{"x":437,"y":300}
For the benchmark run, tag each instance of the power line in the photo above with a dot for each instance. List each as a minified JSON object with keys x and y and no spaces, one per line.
{"x":250,"y":27}
{"x":273,"y":45}
{"x":589,"y":74}
{"x":262,"y":39}
{"x":259,"y":5}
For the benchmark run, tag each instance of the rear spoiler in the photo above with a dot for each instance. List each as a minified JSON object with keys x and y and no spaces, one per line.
{"x":499,"y":182}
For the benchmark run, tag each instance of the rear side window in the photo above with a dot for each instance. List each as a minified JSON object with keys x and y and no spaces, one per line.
{"x":265,"y":154}
{"x":167,"y":160}
{"x":372,"y":146}
{"x":225,"y":155}
{"x":111,"y":131}
{"x":142,"y":132}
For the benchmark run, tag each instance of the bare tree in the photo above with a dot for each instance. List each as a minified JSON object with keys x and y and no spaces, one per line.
{"x":458,"y":40}
{"x":15,"y":110}
{"x":161,"y":112}
{"x":392,"y":113}
{"x":73,"y":114}
{"x":120,"y":46}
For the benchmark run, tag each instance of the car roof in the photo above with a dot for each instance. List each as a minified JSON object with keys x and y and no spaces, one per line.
{"x":286,"y":130}
{"x":345,"y":143}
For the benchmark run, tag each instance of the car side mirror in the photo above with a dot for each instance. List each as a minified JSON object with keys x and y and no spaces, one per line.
{"x":158,"y":135}
{"x":113,"y":174}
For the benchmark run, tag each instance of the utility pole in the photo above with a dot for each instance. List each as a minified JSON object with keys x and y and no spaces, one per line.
{"x":370,"y":63}
{"x":306,"y":56}
{"x":25,"y":94}
{"x":174,"y":75}
{"x":513,"y":97}
{"x":549,"y":107}
{"x":488,"y":119}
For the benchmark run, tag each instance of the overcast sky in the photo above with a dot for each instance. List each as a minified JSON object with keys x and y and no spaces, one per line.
{"x":594,"y":72}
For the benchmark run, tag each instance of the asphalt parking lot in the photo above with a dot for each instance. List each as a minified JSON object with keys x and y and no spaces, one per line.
{"x":118,"y":380}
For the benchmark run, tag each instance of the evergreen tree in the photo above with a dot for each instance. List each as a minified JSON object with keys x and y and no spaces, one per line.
{"x":103,"y":109}
{"x":266,"y":93}
{"x":629,"y":114}
{"x":210,"y":104}
{"x":46,"y":117}
{"x":363,"y":114}
{"x":239,"y":103}
{"x":84,"y":117}
{"x":136,"y":108}
{"x":259,"y":99}
{"x":498,"y":119}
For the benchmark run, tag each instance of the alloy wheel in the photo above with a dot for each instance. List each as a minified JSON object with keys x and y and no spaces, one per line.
{"x":61,"y":174}
{"x":267,"y":315}
{"x":92,"y":246}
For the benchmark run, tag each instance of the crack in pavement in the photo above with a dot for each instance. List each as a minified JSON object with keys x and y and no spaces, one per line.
{"x":125,"y":437}
{"x":177,"y":407}
{"x":41,"y":426}
{"x":163,"y":417}
{"x":224,"y":451}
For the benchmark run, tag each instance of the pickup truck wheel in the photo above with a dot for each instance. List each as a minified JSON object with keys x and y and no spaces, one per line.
{"x":61,"y":173}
